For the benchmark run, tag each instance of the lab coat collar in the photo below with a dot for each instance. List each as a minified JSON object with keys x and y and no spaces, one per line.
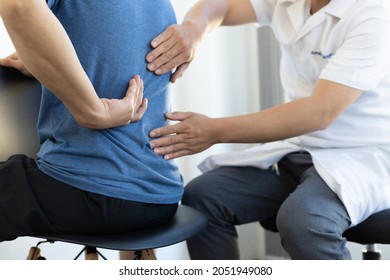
{"x":336,"y":8}
{"x":296,"y":11}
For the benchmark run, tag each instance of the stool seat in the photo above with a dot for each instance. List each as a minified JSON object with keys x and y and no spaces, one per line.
{"x":375,"y":229}
{"x":185,"y":223}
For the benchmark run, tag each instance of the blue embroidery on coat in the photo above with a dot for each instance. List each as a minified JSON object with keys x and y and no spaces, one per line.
{"x":324,"y":56}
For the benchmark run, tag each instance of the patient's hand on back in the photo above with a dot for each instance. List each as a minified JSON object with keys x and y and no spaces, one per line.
{"x":116,"y":112}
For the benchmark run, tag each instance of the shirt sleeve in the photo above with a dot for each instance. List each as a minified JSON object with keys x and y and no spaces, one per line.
{"x":51,"y":3}
{"x":363,"y":59}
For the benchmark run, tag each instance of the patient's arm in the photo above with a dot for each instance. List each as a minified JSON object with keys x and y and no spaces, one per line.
{"x":47,"y":52}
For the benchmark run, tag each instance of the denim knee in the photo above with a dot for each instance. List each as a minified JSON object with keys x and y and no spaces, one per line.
{"x":293,"y":221}
{"x":299,"y":230}
{"x":206,"y":194}
{"x":308,"y":231}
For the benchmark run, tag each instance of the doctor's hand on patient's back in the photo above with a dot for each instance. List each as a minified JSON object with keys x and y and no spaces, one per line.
{"x":174,"y":49}
{"x":192,"y":134}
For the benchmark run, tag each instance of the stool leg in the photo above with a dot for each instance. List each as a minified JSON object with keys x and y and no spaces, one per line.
{"x":137,"y":255}
{"x":34,"y":253}
{"x":91,"y":253}
{"x":371,"y":253}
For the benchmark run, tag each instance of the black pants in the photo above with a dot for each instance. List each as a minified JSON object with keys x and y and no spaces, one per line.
{"x":32,"y":202}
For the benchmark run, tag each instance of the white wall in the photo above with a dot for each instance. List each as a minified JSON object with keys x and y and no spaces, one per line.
{"x":6,"y":46}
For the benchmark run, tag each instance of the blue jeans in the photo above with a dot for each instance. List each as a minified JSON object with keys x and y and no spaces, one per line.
{"x":309,"y":216}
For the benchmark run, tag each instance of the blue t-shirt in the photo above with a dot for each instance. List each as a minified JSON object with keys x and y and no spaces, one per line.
{"x":112,"y":39}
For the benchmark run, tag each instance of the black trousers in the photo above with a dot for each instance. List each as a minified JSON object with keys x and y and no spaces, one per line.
{"x":32,"y":202}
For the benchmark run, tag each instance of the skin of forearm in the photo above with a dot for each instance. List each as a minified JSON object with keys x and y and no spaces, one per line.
{"x":209,"y":14}
{"x":206,"y":15}
{"x":280,"y":122}
{"x":46,"y":50}
{"x":299,"y":117}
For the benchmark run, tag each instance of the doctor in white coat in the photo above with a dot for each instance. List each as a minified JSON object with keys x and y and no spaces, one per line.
{"x":323,"y":164}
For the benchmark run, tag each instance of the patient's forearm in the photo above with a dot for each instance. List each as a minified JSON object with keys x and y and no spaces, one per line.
{"x":47,"y":52}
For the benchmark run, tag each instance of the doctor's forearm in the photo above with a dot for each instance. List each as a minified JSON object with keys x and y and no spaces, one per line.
{"x":209,"y":14}
{"x":277,"y":123}
{"x":299,"y":117}
{"x":206,"y":15}
{"x":46,"y":50}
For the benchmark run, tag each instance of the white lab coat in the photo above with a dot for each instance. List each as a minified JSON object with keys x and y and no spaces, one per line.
{"x":348,"y":42}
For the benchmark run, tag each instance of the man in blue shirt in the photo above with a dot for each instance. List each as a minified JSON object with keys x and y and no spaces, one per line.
{"x":95,"y":171}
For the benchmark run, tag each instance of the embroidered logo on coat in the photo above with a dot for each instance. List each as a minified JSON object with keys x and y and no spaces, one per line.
{"x":324,"y":56}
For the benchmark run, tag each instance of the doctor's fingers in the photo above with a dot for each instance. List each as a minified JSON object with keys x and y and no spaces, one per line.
{"x":175,"y":150}
{"x":172,"y":50}
{"x":165,"y":131}
{"x":178,"y":154}
{"x":179,"y":72}
{"x":168,"y":61}
{"x":165,"y":35}
{"x":165,"y":136}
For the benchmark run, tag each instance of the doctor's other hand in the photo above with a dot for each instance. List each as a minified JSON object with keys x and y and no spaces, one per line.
{"x":174,"y":49}
{"x":13,"y":61}
{"x":193,"y":134}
